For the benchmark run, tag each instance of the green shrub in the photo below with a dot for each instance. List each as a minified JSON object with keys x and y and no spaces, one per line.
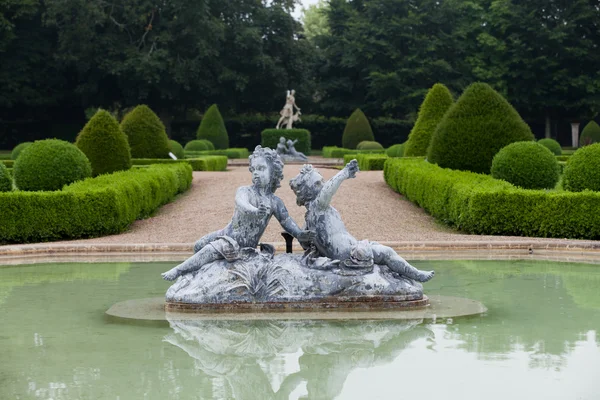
{"x":367,"y":162}
{"x":396,"y":150}
{"x":474,"y":129}
{"x":357,"y":130}
{"x":563,"y":158}
{"x":145,"y":133}
{"x":212,"y":128}
{"x":18,"y":149}
{"x":98,"y":206}
{"x":229,"y":153}
{"x":198,"y":145}
{"x":437,"y":101}
{"x":5,"y":179}
{"x":529,"y":165}
{"x":104,"y":144}
{"x":176,"y":149}
{"x":49,"y":165}
{"x":480,"y":204}
{"x":552,"y":145}
{"x":582,"y":171}
{"x":8,"y":163}
{"x":590,"y":134}
{"x":368,"y":145}
{"x":339,"y":152}
{"x":270,"y":138}
{"x":202,"y":163}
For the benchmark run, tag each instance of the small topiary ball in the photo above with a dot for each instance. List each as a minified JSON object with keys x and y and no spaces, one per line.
{"x":396,"y":150}
{"x":583,"y":170}
{"x":529,"y":165}
{"x":199,"y":145}
{"x":5,"y":179}
{"x":49,"y":165}
{"x":369,"y":145}
{"x":18,"y":149}
{"x":552,"y":145}
{"x":176,"y":149}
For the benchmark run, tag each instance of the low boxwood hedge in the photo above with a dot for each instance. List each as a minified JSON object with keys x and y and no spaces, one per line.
{"x":9,"y":163}
{"x":270,"y":138}
{"x":98,"y":206}
{"x":340,"y":152}
{"x":480,"y":204}
{"x":367,"y":162}
{"x":234,"y":152}
{"x":202,"y":163}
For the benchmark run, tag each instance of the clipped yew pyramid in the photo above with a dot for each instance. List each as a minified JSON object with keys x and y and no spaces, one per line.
{"x":437,"y":101}
{"x":212,"y":128}
{"x":590,"y":134}
{"x":104,"y":144}
{"x":474,"y":129}
{"x":357,"y":130}
{"x":146,"y":133}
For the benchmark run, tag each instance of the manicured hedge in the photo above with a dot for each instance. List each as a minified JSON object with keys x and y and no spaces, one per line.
{"x":270,"y":138}
{"x":229,"y":153}
{"x":9,"y":163}
{"x":367,"y":162}
{"x":340,"y":152}
{"x":203,"y":163}
{"x":97,"y":206}
{"x":480,"y":204}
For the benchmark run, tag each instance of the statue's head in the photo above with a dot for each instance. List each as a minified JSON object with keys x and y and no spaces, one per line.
{"x":266,"y":168}
{"x":282,"y":140}
{"x":293,"y":92}
{"x":307,"y":184}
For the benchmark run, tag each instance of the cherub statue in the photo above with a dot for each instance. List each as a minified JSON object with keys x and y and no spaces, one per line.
{"x":254,"y":206}
{"x":293,"y":153}
{"x":332,"y":239}
{"x":287,"y":113}
{"x":282,"y":149}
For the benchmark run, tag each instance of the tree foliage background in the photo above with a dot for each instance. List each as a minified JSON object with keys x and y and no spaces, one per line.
{"x":61,"y":57}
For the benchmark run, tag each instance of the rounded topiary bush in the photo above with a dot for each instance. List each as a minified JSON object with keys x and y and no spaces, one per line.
{"x":198,"y":145}
{"x":357,"y":130}
{"x":432,"y":110}
{"x":176,"y":149}
{"x":583,"y":170}
{"x":474,"y":129}
{"x":49,"y":165}
{"x":396,"y":150}
{"x":529,"y":165}
{"x":145,"y":133}
{"x":212,"y":128}
{"x":551,"y":145}
{"x":590,"y":134}
{"x":104,"y":144}
{"x":18,"y":149}
{"x":5,"y":179}
{"x":369,"y":145}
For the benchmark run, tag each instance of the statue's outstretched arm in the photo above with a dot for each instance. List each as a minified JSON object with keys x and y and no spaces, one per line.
{"x":290,"y":226}
{"x":323,"y":200}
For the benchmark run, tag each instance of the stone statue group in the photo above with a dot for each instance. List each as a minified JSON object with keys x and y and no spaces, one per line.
{"x":329,"y":248}
{"x":287,"y":113}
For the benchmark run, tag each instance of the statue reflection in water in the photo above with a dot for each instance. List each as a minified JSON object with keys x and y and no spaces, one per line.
{"x":244,"y":354}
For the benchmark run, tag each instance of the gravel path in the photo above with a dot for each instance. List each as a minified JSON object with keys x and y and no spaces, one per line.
{"x":369,"y":208}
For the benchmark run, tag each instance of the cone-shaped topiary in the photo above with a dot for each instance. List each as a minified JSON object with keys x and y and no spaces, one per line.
{"x":18,"y":149}
{"x":552,"y":145}
{"x":529,"y":165}
{"x":199,"y":145}
{"x":396,"y":150}
{"x":104,"y":144}
{"x":49,"y":165}
{"x":583,"y":170}
{"x":357,"y":130}
{"x":474,"y":129}
{"x":212,"y":128}
{"x":436,"y":103}
{"x":5,"y":179}
{"x":176,"y":149}
{"x":145,"y":133}
{"x":369,"y":145}
{"x":590,"y":134}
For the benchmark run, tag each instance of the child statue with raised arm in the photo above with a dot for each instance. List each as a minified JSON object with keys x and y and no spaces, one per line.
{"x":254,"y":206}
{"x":332,"y":239}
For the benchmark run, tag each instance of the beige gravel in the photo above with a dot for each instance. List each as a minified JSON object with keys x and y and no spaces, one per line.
{"x":369,"y":208}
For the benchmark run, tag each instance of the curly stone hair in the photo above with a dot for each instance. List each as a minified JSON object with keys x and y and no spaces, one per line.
{"x":274,"y":162}
{"x":304,"y":192}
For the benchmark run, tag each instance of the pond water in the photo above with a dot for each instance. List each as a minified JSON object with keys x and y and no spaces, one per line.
{"x":539,"y":340}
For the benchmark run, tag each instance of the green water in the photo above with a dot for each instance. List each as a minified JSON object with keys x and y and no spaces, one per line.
{"x":539,"y":340}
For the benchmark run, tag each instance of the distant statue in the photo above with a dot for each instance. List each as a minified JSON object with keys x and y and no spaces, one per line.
{"x":288,"y":152}
{"x":287,"y":113}
{"x":334,"y":246}
{"x":254,"y":206}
